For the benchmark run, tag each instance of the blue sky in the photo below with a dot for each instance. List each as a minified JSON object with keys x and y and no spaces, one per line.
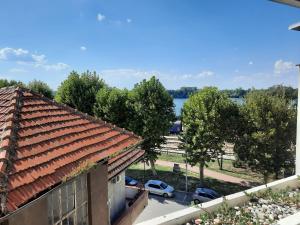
{"x":228,"y":44}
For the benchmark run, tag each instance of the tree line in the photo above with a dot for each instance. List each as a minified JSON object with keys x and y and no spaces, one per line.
{"x":35,"y":85}
{"x":289,"y":92}
{"x":263,"y":129}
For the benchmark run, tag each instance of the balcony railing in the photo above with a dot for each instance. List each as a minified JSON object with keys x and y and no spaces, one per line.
{"x":236,"y":199}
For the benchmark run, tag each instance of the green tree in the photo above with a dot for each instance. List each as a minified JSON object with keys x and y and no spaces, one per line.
{"x":112,"y":105}
{"x":283,"y":91}
{"x":153,"y":112}
{"x":41,"y":87}
{"x":7,"y":83}
{"x":266,"y":140}
{"x":207,"y":122}
{"x":79,"y":91}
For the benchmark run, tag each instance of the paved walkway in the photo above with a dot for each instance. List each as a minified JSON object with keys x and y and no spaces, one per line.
{"x":159,"y":206}
{"x":207,"y":172}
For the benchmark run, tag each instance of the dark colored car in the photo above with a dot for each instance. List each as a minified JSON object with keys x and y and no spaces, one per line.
{"x":129,"y":181}
{"x":204,"y":195}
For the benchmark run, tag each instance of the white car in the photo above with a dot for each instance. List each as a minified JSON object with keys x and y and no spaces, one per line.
{"x":160,"y":188}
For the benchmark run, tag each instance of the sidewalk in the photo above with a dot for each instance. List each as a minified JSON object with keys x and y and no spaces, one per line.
{"x":207,"y":172}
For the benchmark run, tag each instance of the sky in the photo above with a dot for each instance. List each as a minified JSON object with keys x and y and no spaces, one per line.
{"x":228,"y":44}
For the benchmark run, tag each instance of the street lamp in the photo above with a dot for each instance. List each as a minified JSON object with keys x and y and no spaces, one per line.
{"x":295,"y":3}
{"x":298,"y":128}
{"x":296,"y":27}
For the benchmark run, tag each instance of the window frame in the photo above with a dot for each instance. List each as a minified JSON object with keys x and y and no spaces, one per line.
{"x":79,"y":185}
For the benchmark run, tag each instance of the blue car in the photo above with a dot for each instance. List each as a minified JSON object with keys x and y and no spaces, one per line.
{"x":129,"y":181}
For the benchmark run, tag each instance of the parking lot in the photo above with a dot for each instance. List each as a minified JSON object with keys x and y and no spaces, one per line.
{"x":158,"y":206}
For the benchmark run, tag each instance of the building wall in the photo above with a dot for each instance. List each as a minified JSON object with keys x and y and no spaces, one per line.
{"x":117,"y":197}
{"x":97,"y":186}
{"x":35,"y":214}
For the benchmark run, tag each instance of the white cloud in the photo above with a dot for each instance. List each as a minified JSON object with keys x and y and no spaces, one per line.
{"x":129,"y":73}
{"x":127,"y":77}
{"x":250,"y":63}
{"x":128,"y":20}
{"x":25,"y":57}
{"x":83,"y":48}
{"x":20,"y":55}
{"x":281,"y":67}
{"x":205,"y":74}
{"x":17,"y":70}
{"x":186,"y":76}
{"x":140,"y":74}
{"x":100,"y":17}
{"x":56,"y":66}
{"x":39,"y":58}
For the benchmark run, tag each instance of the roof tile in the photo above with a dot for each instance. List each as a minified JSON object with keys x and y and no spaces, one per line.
{"x":47,"y":141}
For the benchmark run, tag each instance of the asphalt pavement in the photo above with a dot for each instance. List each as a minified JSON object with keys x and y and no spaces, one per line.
{"x":159,"y":206}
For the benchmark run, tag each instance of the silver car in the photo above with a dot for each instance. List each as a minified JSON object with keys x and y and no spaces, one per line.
{"x":204,"y":195}
{"x":160,"y":188}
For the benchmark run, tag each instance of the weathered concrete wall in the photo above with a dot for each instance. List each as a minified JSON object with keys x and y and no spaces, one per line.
{"x":34,"y":214}
{"x":97,"y":196}
{"x":130,"y":214}
{"x":117,"y":197}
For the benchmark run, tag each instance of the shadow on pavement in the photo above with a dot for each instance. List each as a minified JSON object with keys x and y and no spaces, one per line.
{"x":181,"y":198}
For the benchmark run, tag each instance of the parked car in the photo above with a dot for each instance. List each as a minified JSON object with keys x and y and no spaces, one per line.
{"x":160,"y":188}
{"x":129,"y":181}
{"x":204,"y":195}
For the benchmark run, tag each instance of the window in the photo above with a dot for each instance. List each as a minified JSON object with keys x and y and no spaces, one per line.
{"x":116,"y":179}
{"x":154,"y":186}
{"x":163,"y":185}
{"x":206,"y":195}
{"x":151,"y":185}
{"x":67,"y":205}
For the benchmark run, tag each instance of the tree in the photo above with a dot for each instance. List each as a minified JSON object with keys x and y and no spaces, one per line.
{"x":283,"y":91}
{"x":79,"y":91}
{"x":112,"y":105}
{"x":206,"y":120}
{"x":153,"y":112}
{"x":41,"y":87}
{"x":7,"y":83}
{"x":267,"y":138}
{"x":183,"y":92}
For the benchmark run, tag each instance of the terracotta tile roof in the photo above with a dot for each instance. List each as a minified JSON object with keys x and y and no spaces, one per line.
{"x":120,"y":162}
{"x":42,"y":141}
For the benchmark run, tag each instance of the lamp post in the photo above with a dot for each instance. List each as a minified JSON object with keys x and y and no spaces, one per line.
{"x":298,"y":128}
{"x":296,"y":27}
{"x":186,"y":175}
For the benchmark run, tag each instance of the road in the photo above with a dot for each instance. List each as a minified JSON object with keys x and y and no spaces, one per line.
{"x":207,"y":173}
{"x":159,"y":206}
